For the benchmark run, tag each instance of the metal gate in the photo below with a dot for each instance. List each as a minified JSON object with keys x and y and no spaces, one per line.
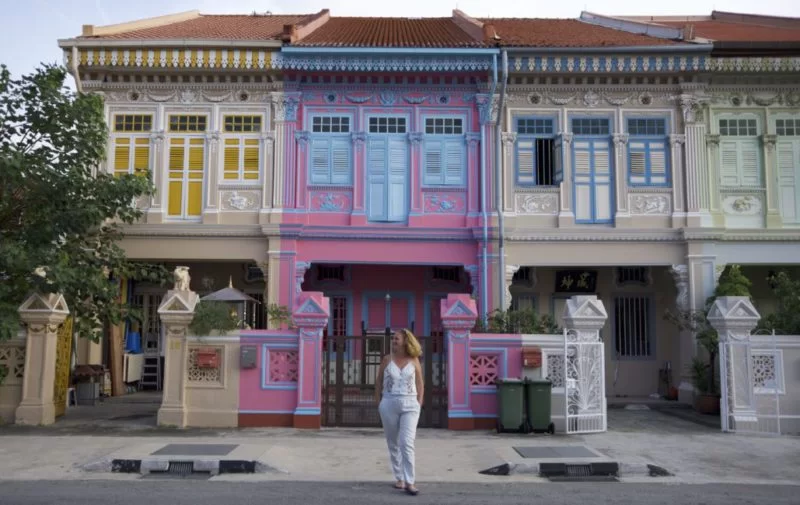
{"x":63,"y":358}
{"x":585,"y":382}
{"x":350,"y":367}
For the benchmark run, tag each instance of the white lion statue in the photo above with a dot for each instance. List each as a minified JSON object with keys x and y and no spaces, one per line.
{"x":182,"y":279}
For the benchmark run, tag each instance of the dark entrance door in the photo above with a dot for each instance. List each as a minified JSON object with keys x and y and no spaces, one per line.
{"x":350,"y":367}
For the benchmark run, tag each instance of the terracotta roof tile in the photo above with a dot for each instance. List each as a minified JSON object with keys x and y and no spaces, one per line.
{"x":544,"y":32}
{"x":389,"y":32}
{"x":725,"y":31}
{"x":214,"y":26}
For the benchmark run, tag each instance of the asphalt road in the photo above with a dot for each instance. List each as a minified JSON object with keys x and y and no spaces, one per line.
{"x":194,"y":492}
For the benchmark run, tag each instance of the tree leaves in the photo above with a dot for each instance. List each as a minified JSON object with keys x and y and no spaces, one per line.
{"x":55,"y":212}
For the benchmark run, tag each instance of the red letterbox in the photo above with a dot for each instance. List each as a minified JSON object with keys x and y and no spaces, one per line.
{"x":532,"y":357}
{"x":207,"y":358}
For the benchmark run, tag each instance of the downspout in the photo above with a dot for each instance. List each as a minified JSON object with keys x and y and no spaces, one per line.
{"x":74,"y":69}
{"x":484,"y":214}
{"x":500,"y":176}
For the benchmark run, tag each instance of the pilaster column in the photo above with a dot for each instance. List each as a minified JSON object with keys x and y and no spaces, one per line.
{"x":509,"y":278}
{"x":459,"y":314}
{"x":621,"y":179}
{"x":268,"y":170}
{"x":42,"y":315}
{"x":734,"y":318}
{"x":155,"y":214}
{"x":310,"y":317}
{"x":473,"y":141}
{"x":176,"y":313}
{"x":300,"y":191}
{"x":211,"y":207}
{"x":687,"y":347}
{"x":360,"y":171}
{"x":773,"y":215}
{"x":285,"y":106}
{"x":677,"y":142}
{"x":566,"y":216}
{"x":697,"y":168}
{"x":509,"y":143}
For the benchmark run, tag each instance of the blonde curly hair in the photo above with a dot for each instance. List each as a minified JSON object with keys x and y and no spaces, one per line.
{"x":413,"y":349}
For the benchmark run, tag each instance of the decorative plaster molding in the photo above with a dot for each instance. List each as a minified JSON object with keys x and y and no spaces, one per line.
{"x":536,"y":203}
{"x":358,"y":138}
{"x":509,"y":139}
{"x":676,"y":139}
{"x":286,"y":105}
{"x":742,"y":205}
{"x":692,"y":106}
{"x":416,"y":138}
{"x":380,"y":63}
{"x":511,"y":270}
{"x":653,"y":63}
{"x":155,"y":57}
{"x":712,"y":140}
{"x":620,"y":139}
{"x":472,"y":139}
{"x":645,"y":204}
{"x":213,"y":140}
{"x":769,"y":141}
{"x":240,"y":200}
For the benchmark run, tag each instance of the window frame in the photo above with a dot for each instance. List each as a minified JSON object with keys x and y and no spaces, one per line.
{"x":444,"y":139}
{"x":651,"y":326}
{"x":242,"y":137}
{"x":754,"y":142}
{"x":648,"y":140}
{"x":533,"y":137}
{"x":331,"y":137}
{"x":115,"y":134}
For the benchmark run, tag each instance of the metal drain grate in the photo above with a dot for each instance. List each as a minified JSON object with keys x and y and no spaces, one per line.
{"x":574,"y":471}
{"x":180,"y":468}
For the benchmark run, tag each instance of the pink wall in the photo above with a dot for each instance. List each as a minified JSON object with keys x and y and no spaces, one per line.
{"x":508,"y":350}
{"x":253,"y":397}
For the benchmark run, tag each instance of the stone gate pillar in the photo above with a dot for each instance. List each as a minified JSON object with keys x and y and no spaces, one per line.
{"x":459,"y":314}
{"x":584,"y":365}
{"x":310,"y":317}
{"x":42,"y":314}
{"x":176,"y":313}
{"x":734,"y":318}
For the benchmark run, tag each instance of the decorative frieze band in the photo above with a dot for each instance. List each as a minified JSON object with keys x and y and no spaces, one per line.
{"x":650,"y":63}
{"x":220,"y":59}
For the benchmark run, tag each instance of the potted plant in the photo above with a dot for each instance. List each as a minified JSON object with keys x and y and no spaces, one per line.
{"x":703,"y":372}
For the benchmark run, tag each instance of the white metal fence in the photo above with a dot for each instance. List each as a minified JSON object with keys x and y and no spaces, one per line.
{"x":584,"y":379}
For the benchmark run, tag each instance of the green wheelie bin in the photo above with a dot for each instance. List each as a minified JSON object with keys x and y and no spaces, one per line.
{"x":510,"y":405}
{"x":538,"y":401}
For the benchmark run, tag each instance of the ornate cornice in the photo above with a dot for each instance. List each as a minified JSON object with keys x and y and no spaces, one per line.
{"x":189,"y":94}
{"x":539,"y":235}
{"x":380,"y":63}
{"x":160,"y":58}
{"x":648,"y":63}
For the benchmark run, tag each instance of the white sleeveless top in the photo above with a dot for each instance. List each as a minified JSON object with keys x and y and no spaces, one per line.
{"x":397,"y":382}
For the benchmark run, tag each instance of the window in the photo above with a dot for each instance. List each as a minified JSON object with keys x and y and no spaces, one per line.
{"x":787,"y":127}
{"x":739,"y":152}
{"x":186,"y":173}
{"x":245,"y":124}
{"x":241,"y":159}
{"x":591,"y":126}
{"x":131,"y":152}
{"x":647,"y":152}
{"x":536,"y":152}
{"x":444,"y":126}
{"x":632,"y":328}
{"x":788,"y":155}
{"x":524,"y":275}
{"x":330,"y":154}
{"x":330,"y":273}
{"x":133,"y":123}
{"x":330,"y":124}
{"x":446,"y":274}
{"x":387,"y":125}
{"x":633,"y":275}
{"x":187,"y":123}
{"x":444,"y":153}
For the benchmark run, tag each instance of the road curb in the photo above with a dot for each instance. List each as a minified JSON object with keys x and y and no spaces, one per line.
{"x":604,"y":469}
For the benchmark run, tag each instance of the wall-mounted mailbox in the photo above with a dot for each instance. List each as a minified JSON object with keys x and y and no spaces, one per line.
{"x":207,"y":358}
{"x":532,"y":357}
{"x":247,"y":358}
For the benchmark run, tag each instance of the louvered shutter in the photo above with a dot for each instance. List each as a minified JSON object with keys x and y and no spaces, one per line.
{"x":659,"y":174}
{"x":526,"y":154}
{"x":433,"y":171}
{"x":230,"y":163}
{"x":252,"y":159}
{"x":788,"y":153}
{"x":122,"y":156}
{"x":454,"y":161}
{"x":196,"y":171}
{"x":340,"y":161}
{"x":141,"y":156}
{"x":376,"y":180}
{"x":637,"y":161}
{"x":177,"y":154}
{"x":749,"y":160}
{"x":398,"y":177}
{"x":582,"y":163}
{"x":602,"y":197}
{"x":729,"y":163}
{"x":320,"y":160}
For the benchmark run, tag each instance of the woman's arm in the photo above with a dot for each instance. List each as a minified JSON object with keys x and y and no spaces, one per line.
{"x":379,"y":378}
{"x":419,"y":380}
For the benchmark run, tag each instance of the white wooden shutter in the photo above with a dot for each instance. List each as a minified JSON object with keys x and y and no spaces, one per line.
{"x":340,"y":161}
{"x":749,"y":162}
{"x":526,"y":150}
{"x":788,"y":153}
{"x":729,"y":163}
{"x":602,"y":181}
{"x":434,"y":162}
{"x":398,"y":179}
{"x":320,"y":161}
{"x":454,"y":161}
{"x":582,"y":163}
{"x":376,"y":180}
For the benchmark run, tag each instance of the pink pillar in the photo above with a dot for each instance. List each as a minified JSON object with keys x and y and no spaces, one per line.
{"x":310,"y":317}
{"x":459,"y":314}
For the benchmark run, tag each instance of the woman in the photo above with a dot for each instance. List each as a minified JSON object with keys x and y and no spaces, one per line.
{"x":399,"y":389}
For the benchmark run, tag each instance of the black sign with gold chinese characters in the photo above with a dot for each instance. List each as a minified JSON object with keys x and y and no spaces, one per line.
{"x":576,"y":281}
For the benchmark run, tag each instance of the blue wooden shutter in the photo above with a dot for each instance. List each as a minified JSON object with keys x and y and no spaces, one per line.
{"x":398,"y":177}
{"x":558,"y":160}
{"x":658,"y":169}
{"x":320,"y":162}
{"x":526,"y":164}
{"x":454,"y":161}
{"x":433,"y":171}
{"x":340,"y":161}
{"x":376,"y":180}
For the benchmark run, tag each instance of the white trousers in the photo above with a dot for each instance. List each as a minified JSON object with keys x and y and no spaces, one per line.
{"x":399,"y":416}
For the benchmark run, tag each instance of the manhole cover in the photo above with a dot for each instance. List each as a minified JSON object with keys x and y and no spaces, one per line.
{"x":195,"y":450}
{"x":555,"y":452}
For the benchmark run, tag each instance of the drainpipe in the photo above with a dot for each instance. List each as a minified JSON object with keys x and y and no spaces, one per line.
{"x":74,"y":69}
{"x":484,"y":214}
{"x":499,"y":183}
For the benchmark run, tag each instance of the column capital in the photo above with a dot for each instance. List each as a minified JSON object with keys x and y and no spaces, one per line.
{"x":676,"y":139}
{"x":712,"y":140}
{"x":620,"y":139}
{"x":511,"y":270}
{"x":769,"y":141}
{"x":692,"y":106}
{"x":358,"y":138}
{"x":459,"y":312}
{"x":472,"y":139}
{"x":566,"y":137}
{"x":286,"y":105}
{"x":509,"y":139}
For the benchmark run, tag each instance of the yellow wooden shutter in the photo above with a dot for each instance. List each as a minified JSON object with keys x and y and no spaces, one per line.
{"x":251,"y":159}
{"x":122,"y":156}
{"x":177,"y":151}
{"x":231,"y":159}
{"x":141,"y":156}
{"x":194,"y":205}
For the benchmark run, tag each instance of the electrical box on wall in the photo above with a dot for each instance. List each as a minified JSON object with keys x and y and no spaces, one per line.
{"x":247,"y":358}
{"x":531,"y":357}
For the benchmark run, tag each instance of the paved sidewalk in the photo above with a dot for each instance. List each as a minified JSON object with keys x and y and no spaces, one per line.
{"x":636,"y":438}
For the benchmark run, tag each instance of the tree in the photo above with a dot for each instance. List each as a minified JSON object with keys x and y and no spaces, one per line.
{"x":60,"y":222}
{"x":786,"y":318}
{"x":732,"y":282}
{"x":526,"y":322}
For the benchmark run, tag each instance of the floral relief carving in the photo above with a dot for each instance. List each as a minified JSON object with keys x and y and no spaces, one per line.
{"x":240,"y":200}
{"x":538,"y":203}
{"x":650,"y":204}
{"x":330,"y":201}
{"x":745,"y":205}
{"x":444,"y":203}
